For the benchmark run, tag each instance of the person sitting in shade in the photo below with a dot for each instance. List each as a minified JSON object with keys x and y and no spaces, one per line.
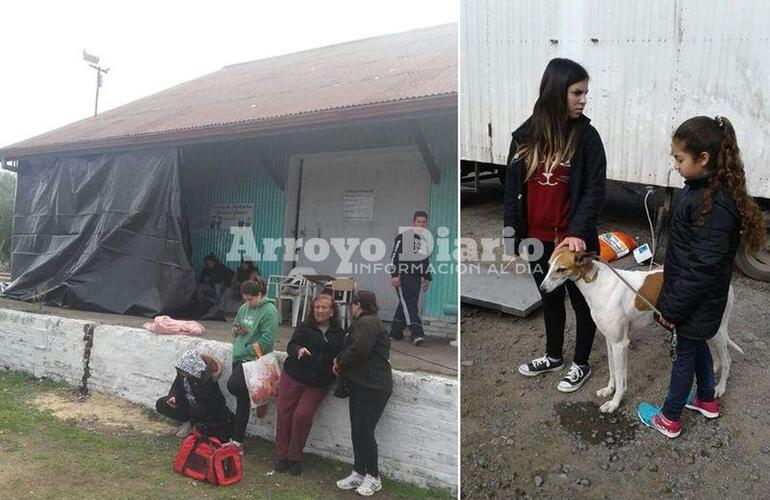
{"x":244,"y":273}
{"x":212,"y":281}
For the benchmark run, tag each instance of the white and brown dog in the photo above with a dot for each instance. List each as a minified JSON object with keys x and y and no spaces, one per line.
{"x":617,"y":312}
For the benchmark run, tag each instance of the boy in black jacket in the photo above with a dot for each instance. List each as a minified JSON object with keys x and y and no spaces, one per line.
{"x":410,"y":273}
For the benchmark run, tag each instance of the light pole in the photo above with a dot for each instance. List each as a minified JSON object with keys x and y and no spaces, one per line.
{"x":94,"y":63}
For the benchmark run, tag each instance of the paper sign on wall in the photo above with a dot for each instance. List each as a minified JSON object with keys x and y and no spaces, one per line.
{"x":226,"y":215}
{"x":359,"y":205}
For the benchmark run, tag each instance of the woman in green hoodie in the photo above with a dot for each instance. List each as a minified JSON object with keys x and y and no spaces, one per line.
{"x":255,"y":329}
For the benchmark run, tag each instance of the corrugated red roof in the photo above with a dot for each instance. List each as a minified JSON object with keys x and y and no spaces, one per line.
{"x":414,"y":70}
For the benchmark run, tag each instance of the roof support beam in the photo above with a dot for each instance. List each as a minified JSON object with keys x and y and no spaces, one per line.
{"x":273,"y":170}
{"x":427,"y":156}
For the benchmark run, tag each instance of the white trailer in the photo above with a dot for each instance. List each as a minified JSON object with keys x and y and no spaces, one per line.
{"x":653,"y":64}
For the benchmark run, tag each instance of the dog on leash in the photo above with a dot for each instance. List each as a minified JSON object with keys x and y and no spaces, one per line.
{"x":617,"y":311}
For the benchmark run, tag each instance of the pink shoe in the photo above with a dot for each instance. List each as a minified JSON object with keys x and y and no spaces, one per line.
{"x":652,"y":417}
{"x":709,"y":409}
{"x":668,"y":428}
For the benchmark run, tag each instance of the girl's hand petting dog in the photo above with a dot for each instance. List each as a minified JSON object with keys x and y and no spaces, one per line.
{"x":574,"y":244}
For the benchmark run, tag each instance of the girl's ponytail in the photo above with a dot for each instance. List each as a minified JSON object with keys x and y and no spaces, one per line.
{"x":731,"y":173}
{"x":716,"y":136}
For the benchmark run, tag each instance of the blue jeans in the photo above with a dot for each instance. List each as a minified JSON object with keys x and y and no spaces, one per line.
{"x":693,"y":359}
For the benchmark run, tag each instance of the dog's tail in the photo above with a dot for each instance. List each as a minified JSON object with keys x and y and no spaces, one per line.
{"x":734,"y":345}
{"x":728,"y":311}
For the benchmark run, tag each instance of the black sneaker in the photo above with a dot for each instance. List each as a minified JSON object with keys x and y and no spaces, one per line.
{"x":295,"y":468}
{"x":575,"y":378}
{"x":417,"y":341}
{"x":541,"y":365}
{"x":281,"y":465}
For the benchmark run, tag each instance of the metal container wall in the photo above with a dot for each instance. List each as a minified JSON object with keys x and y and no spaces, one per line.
{"x":653,"y":64}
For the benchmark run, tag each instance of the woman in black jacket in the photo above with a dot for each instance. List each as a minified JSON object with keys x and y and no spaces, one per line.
{"x":305,"y":380}
{"x":714,"y":213}
{"x":195,"y":398}
{"x":364,"y":369}
{"x":554,"y":191}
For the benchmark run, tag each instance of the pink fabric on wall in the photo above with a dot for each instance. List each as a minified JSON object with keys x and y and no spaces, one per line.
{"x":165,"y":325}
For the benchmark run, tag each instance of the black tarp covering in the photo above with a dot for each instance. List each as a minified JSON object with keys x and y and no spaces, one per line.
{"x":102,"y":232}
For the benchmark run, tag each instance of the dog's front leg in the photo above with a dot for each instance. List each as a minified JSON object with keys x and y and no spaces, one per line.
{"x":606,"y":392}
{"x":620,"y":360}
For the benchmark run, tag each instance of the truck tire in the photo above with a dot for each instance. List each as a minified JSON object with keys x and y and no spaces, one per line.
{"x":757,"y":266}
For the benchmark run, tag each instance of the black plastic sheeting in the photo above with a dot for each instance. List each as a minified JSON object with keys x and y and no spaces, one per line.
{"x":102,"y":233}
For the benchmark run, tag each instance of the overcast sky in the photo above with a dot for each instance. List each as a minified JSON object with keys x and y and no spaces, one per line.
{"x":152,"y":45}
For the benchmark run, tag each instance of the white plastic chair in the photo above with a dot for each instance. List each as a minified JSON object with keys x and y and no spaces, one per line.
{"x":294,"y":288}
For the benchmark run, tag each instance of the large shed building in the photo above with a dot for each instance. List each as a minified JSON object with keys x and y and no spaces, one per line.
{"x":116,"y":212}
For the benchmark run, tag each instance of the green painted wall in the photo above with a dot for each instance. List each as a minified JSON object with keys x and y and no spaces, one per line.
{"x":254,"y":170}
{"x":441,"y":135}
{"x":229,"y":172}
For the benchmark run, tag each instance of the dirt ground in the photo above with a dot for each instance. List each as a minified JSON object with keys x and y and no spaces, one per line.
{"x":521,"y":438}
{"x":100,"y":412}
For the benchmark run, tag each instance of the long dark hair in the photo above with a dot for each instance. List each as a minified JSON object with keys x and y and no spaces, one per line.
{"x":551,"y":135}
{"x":716,"y":136}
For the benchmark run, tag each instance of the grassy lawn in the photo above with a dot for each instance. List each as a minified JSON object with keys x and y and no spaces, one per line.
{"x":42,"y":456}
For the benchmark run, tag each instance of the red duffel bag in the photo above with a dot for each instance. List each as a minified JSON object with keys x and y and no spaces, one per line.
{"x":226,"y":467}
{"x":205,"y":459}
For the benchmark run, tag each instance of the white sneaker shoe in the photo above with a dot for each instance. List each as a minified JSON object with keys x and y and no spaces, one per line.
{"x":370,"y":486}
{"x":184,"y":430}
{"x":353,"y":481}
{"x":575,"y":378}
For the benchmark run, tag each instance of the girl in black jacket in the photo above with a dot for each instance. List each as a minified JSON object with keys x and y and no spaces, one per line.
{"x":305,"y":380}
{"x":713,"y":215}
{"x":554,"y":191}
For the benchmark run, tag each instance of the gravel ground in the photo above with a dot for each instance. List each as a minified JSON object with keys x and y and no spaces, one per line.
{"x":521,"y":438}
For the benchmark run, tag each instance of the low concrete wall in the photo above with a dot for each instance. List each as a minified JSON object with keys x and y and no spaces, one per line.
{"x":417,"y":434}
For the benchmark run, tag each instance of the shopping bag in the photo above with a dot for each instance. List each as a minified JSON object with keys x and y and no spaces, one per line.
{"x":262,"y":376}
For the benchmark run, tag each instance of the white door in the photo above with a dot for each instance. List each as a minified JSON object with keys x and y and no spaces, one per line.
{"x":361,"y":194}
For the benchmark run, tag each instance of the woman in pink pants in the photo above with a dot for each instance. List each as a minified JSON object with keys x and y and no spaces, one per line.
{"x":307,"y":375}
